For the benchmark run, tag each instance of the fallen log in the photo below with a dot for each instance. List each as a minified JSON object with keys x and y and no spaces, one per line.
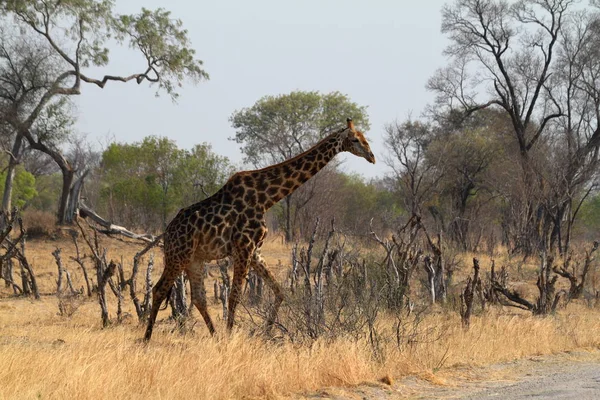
{"x":111,"y":229}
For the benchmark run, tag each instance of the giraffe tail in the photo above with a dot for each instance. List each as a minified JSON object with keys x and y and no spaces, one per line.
{"x":169,"y":293}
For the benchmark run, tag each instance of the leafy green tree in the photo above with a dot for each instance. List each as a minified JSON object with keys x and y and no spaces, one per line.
{"x":24,"y":187}
{"x":48,"y":188}
{"x":154,"y":177}
{"x":202,"y":173}
{"x":277,"y":128}
{"x":72,"y":36}
{"x":590,"y":213}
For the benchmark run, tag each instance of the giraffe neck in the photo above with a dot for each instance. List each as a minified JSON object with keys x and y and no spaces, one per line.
{"x":280,"y":180}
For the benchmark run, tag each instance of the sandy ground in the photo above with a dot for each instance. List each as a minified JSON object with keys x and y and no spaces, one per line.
{"x":564,"y":376}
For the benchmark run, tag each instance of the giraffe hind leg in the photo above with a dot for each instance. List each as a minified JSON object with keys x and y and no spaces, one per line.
{"x":196,"y":276}
{"x":260,"y":267}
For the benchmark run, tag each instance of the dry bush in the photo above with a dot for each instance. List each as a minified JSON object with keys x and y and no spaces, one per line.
{"x":68,"y":304}
{"x":39,"y":224}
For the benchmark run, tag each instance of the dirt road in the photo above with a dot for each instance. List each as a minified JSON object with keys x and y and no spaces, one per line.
{"x":565,"y":376}
{"x":579,"y":382}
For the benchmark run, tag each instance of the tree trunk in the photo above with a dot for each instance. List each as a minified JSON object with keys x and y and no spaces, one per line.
{"x":68,"y":174}
{"x":14,"y":160}
{"x":288,"y":219}
{"x":65,"y":166}
{"x":73,"y":200}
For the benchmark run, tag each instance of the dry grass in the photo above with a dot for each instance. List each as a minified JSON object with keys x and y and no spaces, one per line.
{"x":48,"y":356}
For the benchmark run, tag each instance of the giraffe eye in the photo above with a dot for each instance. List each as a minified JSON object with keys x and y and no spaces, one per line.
{"x":355,"y":140}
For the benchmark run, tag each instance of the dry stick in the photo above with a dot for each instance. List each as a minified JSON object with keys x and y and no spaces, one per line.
{"x":5,"y":264}
{"x":319,"y":275}
{"x":294,"y":272}
{"x":8,"y":279}
{"x":59,"y":282}
{"x":148,"y":293}
{"x":513,"y":296}
{"x":546,"y":287}
{"x":102,"y":281}
{"x":141,"y":309}
{"x":309,"y":251}
{"x":120,"y":284}
{"x":103,"y":275}
{"x":9,"y":222}
{"x":70,"y":283}
{"x":469,"y":294}
{"x":25,"y":263}
{"x":389,"y":248}
{"x":5,"y":271}
{"x":577,"y":284}
{"x":254,"y":284}
{"x":178,"y":299}
{"x":225,"y":288}
{"x":80,"y":262}
{"x":11,"y":251}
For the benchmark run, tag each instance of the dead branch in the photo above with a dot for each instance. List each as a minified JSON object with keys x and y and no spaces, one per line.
{"x":577,"y":283}
{"x":468,"y":295}
{"x":140,"y":308}
{"x":111,"y":229}
{"x":103,"y":278}
{"x":80,"y":261}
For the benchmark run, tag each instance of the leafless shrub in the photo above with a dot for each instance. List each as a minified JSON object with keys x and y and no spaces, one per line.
{"x":333,"y":291}
{"x":548,"y":298}
{"x":571,"y":271}
{"x":80,"y":261}
{"x":399,"y":264}
{"x":104,"y":272}
{"x":69,"y":300}
{"x":68,"y":304}
{"x":142,"y":307}
{"x":60,"y":289}
{"x":15,"y":249}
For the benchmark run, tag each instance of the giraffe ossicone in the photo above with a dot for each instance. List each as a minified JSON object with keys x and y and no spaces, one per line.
{"x":231,"y":223}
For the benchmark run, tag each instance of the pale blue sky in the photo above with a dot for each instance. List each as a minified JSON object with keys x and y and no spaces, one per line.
{"x":380,"y":53}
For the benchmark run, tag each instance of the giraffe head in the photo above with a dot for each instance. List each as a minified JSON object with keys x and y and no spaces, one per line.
{"x":355,"y":142}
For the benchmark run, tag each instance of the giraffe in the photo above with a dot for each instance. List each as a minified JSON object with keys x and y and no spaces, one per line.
{"x":231,"y":223}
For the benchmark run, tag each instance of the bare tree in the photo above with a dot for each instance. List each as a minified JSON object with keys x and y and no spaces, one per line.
{"x":508,"y":52}
{"x":417,"y":175}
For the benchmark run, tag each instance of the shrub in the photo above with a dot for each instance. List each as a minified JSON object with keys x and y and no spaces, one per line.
{"x":38,"y":223}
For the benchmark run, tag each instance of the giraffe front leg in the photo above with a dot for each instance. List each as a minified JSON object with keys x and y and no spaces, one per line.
{"x":241,"y":260}
{"x":160,"y":292}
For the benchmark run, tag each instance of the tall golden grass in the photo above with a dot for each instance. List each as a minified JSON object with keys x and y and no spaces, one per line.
{"x":44,"y":355}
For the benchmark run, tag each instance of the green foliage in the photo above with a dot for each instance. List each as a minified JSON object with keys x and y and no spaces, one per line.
{"x":589,"y":214}
{"x":79,"y":30}
{"x":165,"y":45}
{"x":364,"y":201}
{"x":149,"y":180}
{"x":276,"y":128}
{"x":23,"y":187}
{"x":48,"y":188}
